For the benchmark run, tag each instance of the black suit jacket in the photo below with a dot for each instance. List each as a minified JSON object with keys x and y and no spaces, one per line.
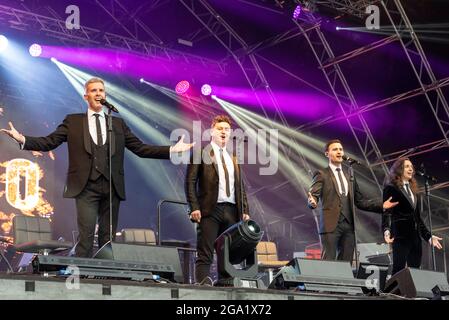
{"x":404,"y":220}
{"x":75,"y":131}
{"x":202,"y":183}
{"x":325,"y":190}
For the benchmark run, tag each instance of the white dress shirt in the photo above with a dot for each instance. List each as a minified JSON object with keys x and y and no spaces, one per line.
{"x":345,"y":182}
{"x":222,"y":197}
{"x":93,"y":125}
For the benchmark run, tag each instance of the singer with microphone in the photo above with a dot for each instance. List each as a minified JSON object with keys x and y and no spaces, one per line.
{"x":88,"y":172}
{"x":331,"y":188}
{"x":402,"y":225}
{"x":215,"y":194}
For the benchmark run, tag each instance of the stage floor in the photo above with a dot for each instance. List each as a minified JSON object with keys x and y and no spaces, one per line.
{"x":38,"y":287}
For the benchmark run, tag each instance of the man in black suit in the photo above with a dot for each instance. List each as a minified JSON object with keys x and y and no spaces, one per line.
{"x":88,"y":172}
{"x":212,"y":188}
{"x":331,"y":186}
{"x":402,"y":225}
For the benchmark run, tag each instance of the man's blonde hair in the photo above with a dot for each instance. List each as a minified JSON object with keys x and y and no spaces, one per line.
{"x":93,"y":80}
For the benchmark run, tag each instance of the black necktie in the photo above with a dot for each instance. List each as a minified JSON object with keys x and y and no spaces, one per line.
{"x":99,"y":135}
{"x":409,"y":192}
{"x":340,"y":178}
{"x":228,"y":190}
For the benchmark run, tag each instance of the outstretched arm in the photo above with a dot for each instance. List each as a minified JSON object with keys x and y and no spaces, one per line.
{"x":135,"y":145}
{"x":13,"y":133}
{"x":373,"y":205}
{"x":181,"y":146}
{"x":50,"y":142}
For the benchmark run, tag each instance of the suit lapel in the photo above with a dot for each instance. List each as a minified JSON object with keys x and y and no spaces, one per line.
{"x":236,"y":171}
{"x":413,"y":205}
{"x":334,"y":181}
{"x":349,"y":183}
{"x":86,"y":134}
{"x":212,"y":158}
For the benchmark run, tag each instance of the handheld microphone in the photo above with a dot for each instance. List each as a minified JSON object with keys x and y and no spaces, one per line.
{"x":350,"y":160}
{"x":108,"y":105}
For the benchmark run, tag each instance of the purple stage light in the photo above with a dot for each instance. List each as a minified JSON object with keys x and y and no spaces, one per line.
{"x":298,"y":104}
{"x":35,"y":50}
{"x":206,"y":89}
{"x":182,"y":87}
{"x":3,"y":43}
{"x":297,"y":12}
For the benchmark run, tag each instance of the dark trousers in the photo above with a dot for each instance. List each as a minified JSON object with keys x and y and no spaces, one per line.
{"x":210,"y":227}
{"x":406,"y":251}
{"x":339,"y":245}
{"x":92,"y":205}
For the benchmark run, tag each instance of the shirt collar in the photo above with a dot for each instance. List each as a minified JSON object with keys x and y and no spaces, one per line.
{"x":334,"y":167}
{"x":90,"y":113}
{"x":217,"y":147}
{"x":404,"y":182}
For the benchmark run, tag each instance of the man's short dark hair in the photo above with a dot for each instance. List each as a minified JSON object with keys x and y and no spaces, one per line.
{"x":326,"y":148}
{"x":220,"y":118}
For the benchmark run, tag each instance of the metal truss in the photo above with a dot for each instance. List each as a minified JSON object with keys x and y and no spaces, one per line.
{"x":247,"y":58}
{"x":378,"y":104}
{"x":345,"y":99}
{"x":353,"y":8}
{"x":422,"y":69}
{"x":349,"y":107}
{"x":424,"y":148}
{"x":239,"y":50}
{"x":284,"y":36}
{"x":433,"y":86}
{"x":128,"y":21}
{"x":85,"y":36}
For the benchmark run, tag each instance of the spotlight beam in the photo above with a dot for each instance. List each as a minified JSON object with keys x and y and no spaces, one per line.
{"x":77,"y":78}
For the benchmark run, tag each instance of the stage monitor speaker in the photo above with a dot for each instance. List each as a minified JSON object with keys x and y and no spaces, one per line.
{"x":415,"y":283}
{"x":374,"y":253}
{"x":144,"y":254}
{"x":318,"y":275}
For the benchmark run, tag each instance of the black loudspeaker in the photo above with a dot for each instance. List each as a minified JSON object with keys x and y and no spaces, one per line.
{"x":415,"y":283}
{"x":319,"y":276}
{"x":165,"y":256}
{"x":374,"y":253}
